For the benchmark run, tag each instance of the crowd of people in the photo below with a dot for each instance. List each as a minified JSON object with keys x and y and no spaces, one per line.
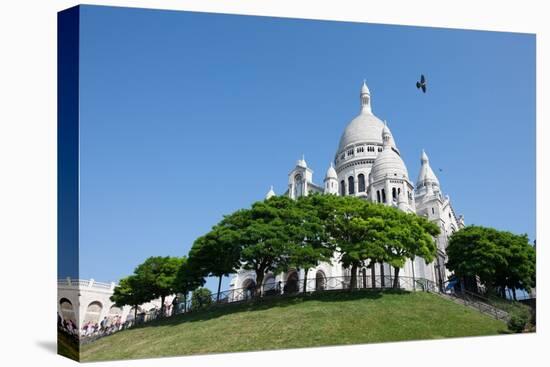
{"x":92,"y":330}
{"x":68,"y":326}
{"x":106,"y":326}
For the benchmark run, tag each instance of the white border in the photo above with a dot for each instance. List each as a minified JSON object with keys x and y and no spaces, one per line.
{"x":28,"y":180}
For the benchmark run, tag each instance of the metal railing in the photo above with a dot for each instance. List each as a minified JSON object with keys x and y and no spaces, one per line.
{"x":479,"y":302}
{"x":293,"y":287}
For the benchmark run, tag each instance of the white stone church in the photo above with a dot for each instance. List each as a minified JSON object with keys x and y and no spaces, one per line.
{"x":368,"y":164}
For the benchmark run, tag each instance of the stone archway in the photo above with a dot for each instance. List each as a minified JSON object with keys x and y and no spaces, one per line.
{"x":67,"y":310}
{"x":320,"y":281}
{"x":249,"y":288}
{"x":291,"y":284}
{"x":93,"y":312}
{"x":270,"y":286}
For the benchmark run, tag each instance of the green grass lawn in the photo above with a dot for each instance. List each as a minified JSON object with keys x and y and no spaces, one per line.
{"x":67,"y":346}
{"x":332,"y":318}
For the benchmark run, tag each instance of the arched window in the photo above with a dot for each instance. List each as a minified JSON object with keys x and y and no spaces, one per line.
{"x":291,"y":284}
{"x":270,"y":286}
{"x":320,"y":281}
{"x":378,"y":195}
{"x":67,"y":310}
{"x":115,"y":311}
{"x":298,"y":186}
{"x":343,"y":188}
{"x":93,"y":312}
{"x":249,"y":288}
{"x":383,"y":195}
{"x":351,"y":185}
{"x":393,"y":193}
{"x":361,"y":179}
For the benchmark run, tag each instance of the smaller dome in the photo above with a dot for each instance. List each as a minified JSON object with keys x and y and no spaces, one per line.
{"x":331,"y":173}
{"x":301,"y":162}
{"x":388,"y":164}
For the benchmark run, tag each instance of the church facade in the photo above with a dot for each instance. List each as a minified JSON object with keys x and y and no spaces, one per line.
{"x":368,"y":164}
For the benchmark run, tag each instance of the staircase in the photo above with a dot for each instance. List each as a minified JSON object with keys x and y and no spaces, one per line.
{"x":476,"y":302}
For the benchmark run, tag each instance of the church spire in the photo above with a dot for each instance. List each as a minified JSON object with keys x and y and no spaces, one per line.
{"x":365,"y":98}
{"x":426,"y":177}
{"x":270,"y":193}
{"x":386,"y":136}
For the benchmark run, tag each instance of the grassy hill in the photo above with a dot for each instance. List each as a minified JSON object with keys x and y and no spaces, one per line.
{"x":332,"y":318}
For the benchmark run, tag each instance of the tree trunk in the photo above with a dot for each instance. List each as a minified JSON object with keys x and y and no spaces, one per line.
{"x":162,"y":309}
{"x":185,"y":302}
{"x":373,"y":275}
{"x":259,"y":282}
{"x":219,"y":287}
{"x":514,"y":294}
{"x":382,"y":280}
{"x":396,"y":277}
{"x":135,"y":313}
{"x":305,"y":280}
{"x":353,"y":280}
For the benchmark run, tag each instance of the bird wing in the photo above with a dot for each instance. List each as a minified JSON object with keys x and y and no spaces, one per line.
{"x":422,"y":79}
{"x":424,"y":88}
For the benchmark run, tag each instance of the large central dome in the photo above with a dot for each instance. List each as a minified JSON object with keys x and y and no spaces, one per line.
{"x":366,"y":128}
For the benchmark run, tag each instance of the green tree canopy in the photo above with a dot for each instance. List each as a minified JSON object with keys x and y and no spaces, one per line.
{"x":356,"y":235}
{"x":158,"y":275}
{"x":312,"y":243}
{"x":267,"y":233}
{"x":201,"y":298}
{"x":404,"y":236}
{"x":217,"y":253}
{"x":187,"y":279}
{"x":499,"y":258}
{"x":367,"y":231}
{"x":130,"y":291}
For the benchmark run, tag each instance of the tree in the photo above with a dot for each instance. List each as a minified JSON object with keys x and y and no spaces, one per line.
{"x":404,"y":236}
{"x":356,"y":234}
{"x":266,"y":233}
{"x":187,"y":280}
{"x":201,"y":298}
{"x":130,"y":291}
{"x":217,"y":253}
{"x":500,"y":259}
{"x":158,"y":274}
{"x":521,"y":257}
{"x":312,"y":242}
{"x":365,"y":231}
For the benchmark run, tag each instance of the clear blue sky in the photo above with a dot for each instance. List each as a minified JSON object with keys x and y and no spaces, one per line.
{"x":189,"y":116}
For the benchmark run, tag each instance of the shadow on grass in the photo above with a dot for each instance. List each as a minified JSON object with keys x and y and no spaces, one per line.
{"x":260,"y":304}
{"x":67,"y":345}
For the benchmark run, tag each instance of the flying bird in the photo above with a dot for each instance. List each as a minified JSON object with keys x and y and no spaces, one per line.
{"x":422,"y":83}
